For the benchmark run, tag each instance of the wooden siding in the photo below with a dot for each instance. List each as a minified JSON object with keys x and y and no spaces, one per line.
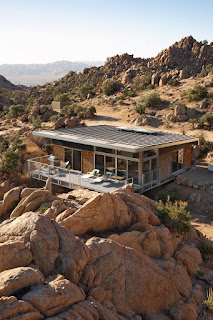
{"x":58,"y":152}
{"x":165,"y":165}
{"x":87,"y":161}
{"x":188,"y":156}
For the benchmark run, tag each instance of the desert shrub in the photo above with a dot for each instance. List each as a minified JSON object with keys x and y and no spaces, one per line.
{"x":48,"y":148}
{"x":55,"y":117}
{"x":152,"y":100}
{"x":36,"y":122}
{"x":173,"y":82}
{"x":109,"y":87}
{"x":91,"y":110}
{"x":140,"y":83}
{"x":15,"y":110}
{"x":16,"y":143}
{"x":174,"y":215}
{"x":149,"y":101}
{"x":206,"y":119}
{"x":205,"y":145}
{"x":208,"y":69}
{"x":163,"y":196}
{"x":205,"y":246}
{"x":85,"y":90}
{"x":9,"y":160}
{"x":3,"y":144}
{"x":61,"y":97}
{"x":209,"y":302}
{"x":43,"y":209}
{"x":197,"y":93}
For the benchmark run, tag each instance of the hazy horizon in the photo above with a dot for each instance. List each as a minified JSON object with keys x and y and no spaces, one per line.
{"x":48,"y":31}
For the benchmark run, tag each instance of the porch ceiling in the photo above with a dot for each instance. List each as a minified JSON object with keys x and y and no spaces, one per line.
{"x":111,"y":137}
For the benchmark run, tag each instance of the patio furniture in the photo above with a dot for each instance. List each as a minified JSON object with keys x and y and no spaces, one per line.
{"x":98,"y":180}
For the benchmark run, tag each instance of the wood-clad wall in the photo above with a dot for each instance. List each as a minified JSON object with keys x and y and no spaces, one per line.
{"x":57,"y":151}
{"x":87,"y":161}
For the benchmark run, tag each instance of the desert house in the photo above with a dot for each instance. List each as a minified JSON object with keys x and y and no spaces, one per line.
{"x":104,"y":158}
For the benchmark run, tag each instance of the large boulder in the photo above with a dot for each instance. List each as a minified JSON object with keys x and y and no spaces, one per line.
{"x":13,"y":280}
{"x":10,"y":200}
{"x":72,"y":122}
{"x":4,"y":187}
{"x":60,"y":123}
{"x":180,"y":110}
{"x":136,"y":282}
{"x":12,"y":308}
{"x":190,"y":257}
{"x":104,"y":212}
{"x":55,"y":296}
{"x":53,"y":248}
{"x":111,"y":211}
{"x":14,"y":254}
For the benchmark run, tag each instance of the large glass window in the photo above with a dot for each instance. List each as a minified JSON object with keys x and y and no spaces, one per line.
{"x":99,"y":163}
{"x":77,"y":160}
{"x":110,"y":164}
{"x":121,"y":169}
{"x":68,"y":156}
{"x":177,"y":160}
{"x":132,"y":169}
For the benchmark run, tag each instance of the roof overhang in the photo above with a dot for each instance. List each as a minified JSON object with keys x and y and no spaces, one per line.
{"x":107,"y":144}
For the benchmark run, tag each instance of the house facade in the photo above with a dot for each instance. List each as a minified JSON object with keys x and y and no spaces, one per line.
{"x":149,"y":157}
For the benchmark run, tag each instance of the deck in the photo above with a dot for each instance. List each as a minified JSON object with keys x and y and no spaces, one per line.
{"x":42,"y":168}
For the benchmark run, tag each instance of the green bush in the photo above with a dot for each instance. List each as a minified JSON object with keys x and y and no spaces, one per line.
{"x":16,"y":143}
{"x":173,"y":82}
{"x":55,"y":117}
{"x":91,"y":110}
{"x":206,"y":119}
{"x":15,"y":110}
{"x":85,"y":90}
{"x":63,"y":97}
{"x":36,"y":122}
{"x":9,"y":160}
{"x":149,"y":101}
{"x":205,"y":145}
{"x":205,"y":71}
{"x":174,"y":215}
{"x":109,"y":87}
{"x":197,"y":93}
{"x":140,"y":108}
{"x":3,"y":144}
{"x":43,"y":209}
{"x":140,"y":83}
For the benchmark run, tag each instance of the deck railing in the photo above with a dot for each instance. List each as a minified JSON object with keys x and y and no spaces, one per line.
{"x":42,"y":168}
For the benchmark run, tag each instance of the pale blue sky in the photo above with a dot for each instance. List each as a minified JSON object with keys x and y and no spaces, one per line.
{"x":40,"y":31}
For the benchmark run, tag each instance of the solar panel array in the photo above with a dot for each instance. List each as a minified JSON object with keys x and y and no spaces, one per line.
{"x":112,"y":135}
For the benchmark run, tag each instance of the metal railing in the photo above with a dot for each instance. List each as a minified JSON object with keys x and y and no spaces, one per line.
{"x":42,"y":168}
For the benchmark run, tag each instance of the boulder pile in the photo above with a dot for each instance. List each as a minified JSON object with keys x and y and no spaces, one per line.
{"x":111,"y":259}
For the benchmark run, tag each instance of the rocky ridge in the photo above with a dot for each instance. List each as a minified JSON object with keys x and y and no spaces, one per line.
{"x":109,"y":259}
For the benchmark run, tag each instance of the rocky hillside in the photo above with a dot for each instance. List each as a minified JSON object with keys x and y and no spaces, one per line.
{"x":109,"y":259}
{"x":6,"y":84}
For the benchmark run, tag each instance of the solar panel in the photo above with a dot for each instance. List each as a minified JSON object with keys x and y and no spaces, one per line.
{"x":146,"y":131}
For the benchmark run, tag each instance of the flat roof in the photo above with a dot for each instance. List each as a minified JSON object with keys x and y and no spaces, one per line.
{"x":120,"y":138}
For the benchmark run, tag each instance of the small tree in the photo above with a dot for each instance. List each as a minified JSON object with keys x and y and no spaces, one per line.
{"x":61,"y":97}
{"x":197,"y":93}
{"x":85,"y":90}
{"x":174,"y":215}
{"x":9,"y":160}
{"x":15,"y":110}
{"x":109,"y":87}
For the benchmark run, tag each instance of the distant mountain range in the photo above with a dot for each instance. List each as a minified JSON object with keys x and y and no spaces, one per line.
{"x":35,"y":74}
